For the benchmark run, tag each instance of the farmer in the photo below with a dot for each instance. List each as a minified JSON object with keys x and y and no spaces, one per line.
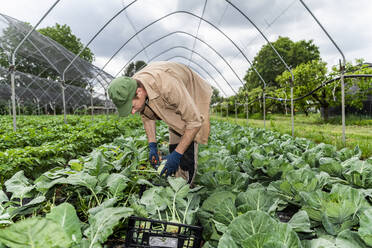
{"x":173,"y":93}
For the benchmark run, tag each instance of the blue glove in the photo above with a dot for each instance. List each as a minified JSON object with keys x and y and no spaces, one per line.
{"x":173,"y":162}
{"x":154,"y":156}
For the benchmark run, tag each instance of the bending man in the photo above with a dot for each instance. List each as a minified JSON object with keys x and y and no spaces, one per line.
{"x":173,"y":93}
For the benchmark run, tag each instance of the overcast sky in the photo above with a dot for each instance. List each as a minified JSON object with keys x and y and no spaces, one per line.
{"x":348,"y":22}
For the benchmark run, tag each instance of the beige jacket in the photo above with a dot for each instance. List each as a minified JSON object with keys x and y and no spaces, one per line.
{"x":178,"y":96}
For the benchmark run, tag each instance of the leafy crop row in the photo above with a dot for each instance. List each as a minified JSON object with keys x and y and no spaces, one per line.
{"x":283,"y":192}
{"x":53,"y":143}
{"x":36,"y":135}
{"x":254,"y":188}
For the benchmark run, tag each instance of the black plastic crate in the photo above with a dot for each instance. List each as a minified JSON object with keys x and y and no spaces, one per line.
{"x":143,"y":232}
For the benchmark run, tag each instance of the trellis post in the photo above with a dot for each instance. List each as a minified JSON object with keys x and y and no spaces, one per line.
{"x":221,"y":110}
{"x":106,"y":100}
{"x":63,"y":101}
{"x":227,"y":110}
{"x":91,"y":102}
{"x":12,"y":64}
{"x":19,"y":109}
{"x":54,"y":109}
{"x":236,"y":114}
{"x":10,"y":108}
{"x":38,"y":106}
{"x":264,"y":107}
{"x":292,"y":110}
{"x":247,"y":108}
{"x":12,"y":80}
{"x":342,"y":71}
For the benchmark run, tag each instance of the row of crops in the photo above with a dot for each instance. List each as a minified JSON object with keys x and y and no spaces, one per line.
{"x":254,"y":188}
{"x":44,"y":142}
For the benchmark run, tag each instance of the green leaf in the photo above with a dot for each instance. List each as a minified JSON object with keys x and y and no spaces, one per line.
{"x":51,"y":178}
{"x":365,"y":229}
{"x":227,"y":241}
{"x":116,"y":183}
{"x":177,"y":183}
{"x":34,"y":232}
{"x":75,"y":164}
{"x":3,"y":197}
{"x":331,"y":166}
{"x":142,"y":181}
{"x":65,"y":215}
{"x":5,"y":219}
{"x":349,"y":239}
{"x":358,"y":172}
{"x":188,"y":208}
{"x":153,"y":201}
{"x":80,"y":179}
{"x":319,"y":243}
{"x":102,"y":224}
{"x":300,"y":222}
{"x":336,"y":210}
{"x":29,"y":207}
{"x":19,"y":185}
{"x":258,"y":240}
{"x":98,"y":164}
{"x":250,"y":223}
{"x":256,"y":199}
{"x":217,"y":199}
{"x":258,"y":229}
{"x":106,"y":204}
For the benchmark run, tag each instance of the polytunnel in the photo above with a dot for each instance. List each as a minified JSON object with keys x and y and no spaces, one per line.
{"x":283,"y":158}
{"x":142,"y":36}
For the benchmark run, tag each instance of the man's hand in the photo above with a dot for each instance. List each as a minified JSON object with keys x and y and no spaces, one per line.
{"x":154,"y":157}
{"x":173,"y":162}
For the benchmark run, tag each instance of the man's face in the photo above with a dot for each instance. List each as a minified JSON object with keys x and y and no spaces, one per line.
{"x":138,"y":102}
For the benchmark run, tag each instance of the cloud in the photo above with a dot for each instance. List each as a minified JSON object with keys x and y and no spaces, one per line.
{"x":345,"y":20}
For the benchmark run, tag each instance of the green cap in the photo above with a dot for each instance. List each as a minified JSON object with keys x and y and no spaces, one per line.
{"x":121,"y":91}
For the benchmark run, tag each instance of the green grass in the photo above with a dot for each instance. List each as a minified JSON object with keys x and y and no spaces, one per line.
{"x":358,"y":130}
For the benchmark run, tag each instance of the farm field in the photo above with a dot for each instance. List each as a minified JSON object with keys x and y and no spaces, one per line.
{"x":275,"y":190}
{"x":73,"y":174}
{"x":358,"y":131}
{"x":43,"y":142}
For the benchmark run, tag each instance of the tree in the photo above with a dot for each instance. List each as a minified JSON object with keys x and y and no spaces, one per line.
{"x":356,"y":89}
{"x":269,"y":65}
{"x":215,"y":96}
{"x":25,"y":62}
{"x":308,"y":76}
{"x":35,"y":64}
{"x":133,"y":67}
{"x":64,"y":36}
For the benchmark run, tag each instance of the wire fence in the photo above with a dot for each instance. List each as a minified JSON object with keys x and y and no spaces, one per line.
{"x":40,"y":63}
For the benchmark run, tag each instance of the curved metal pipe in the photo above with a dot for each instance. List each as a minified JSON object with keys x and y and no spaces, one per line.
{"x":197,"y":30}
{"x":192,"y":14}
{"x":180,"y":56}
{"x":202,"y":75}
{"x":280,"y":57}
{"x":12,"y":79}
{"x":208,"y":75}
{"x":186,"y":49}
{"x":211,"y":64}
{"x":342,"y":69}
{"x":190,"y":60}
{"x":90,"y":41}
{"x":196,"y":38}
{"x":216,"y":70}
{"x":263,"y":35}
